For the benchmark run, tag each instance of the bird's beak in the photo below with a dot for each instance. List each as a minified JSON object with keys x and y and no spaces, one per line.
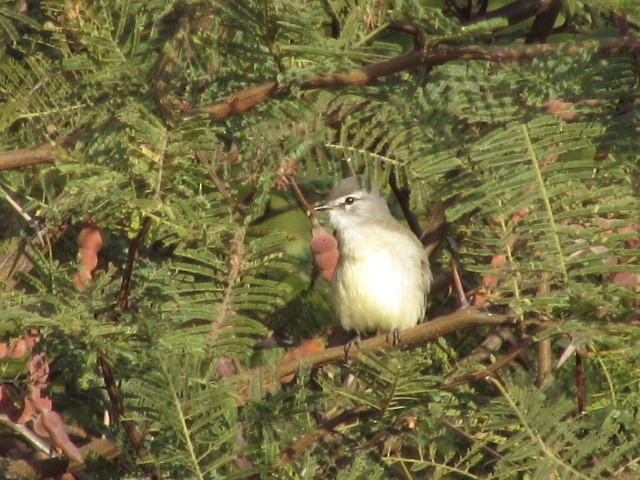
{"x":319,"y":208}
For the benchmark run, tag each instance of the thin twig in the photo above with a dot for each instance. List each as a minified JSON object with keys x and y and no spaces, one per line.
{"x":130,"y":427}
{"x":301,"y":198}
{"x":489,"y":346}
{"x":335,"y":21}
{"x":134,"y":246}
{"x":402,"y":195}
{"x":470,"y":438}
{"x":22,"y":430}
{"x":20,"y":259}
{"x":40,"y":232}
{"x":580,"y":382}
{"x":436,"y":229}
{"x":113,"y":390}
{"x":544,"y":346}
{"x":408,"y":27}
{"x":457,"y":283}
{"x":220,"y":185}
{"x":324,"y":428}
{"x":487,"y":372}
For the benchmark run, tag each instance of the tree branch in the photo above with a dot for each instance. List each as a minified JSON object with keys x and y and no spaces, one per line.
{"x":326,"y":427}
{"x":517,"y":11}
{"x":437,"y":327}
{"x":113,"y":390}
{"x":248,"y":98}
{"x":402,"y":195}
{"x":25,"y":157}
{"x":489,"y":371}
{"x":22,"y":430}
{"x":130,"y":427}
{"x":217,"y":181}
{"x":543,"y":23}
{"x":134,"y":245}
{"x":544,"y":346}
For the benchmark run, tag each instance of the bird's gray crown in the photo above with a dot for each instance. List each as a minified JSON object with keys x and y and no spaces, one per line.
{"x":349,"y":186}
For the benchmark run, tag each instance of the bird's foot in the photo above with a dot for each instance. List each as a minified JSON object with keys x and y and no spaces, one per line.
{"x":393,"y":337}
{"x":354,"y":342}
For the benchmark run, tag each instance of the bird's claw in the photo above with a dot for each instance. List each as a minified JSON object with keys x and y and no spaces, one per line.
{"x":393,"y":337}
{"x":354,"y":342}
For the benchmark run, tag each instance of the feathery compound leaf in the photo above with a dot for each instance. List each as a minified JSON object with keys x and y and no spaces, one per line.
{"x":548,"y":440}
{"x":540,"y":188}
{"x":192,"y":414}
{"x":234,"y":294}
{"x":493,"y":116}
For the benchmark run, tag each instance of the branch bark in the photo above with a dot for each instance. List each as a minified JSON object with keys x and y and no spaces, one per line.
{"x":462,"y":318}
{"x":248,"y":98}
{"x":25,"y":157}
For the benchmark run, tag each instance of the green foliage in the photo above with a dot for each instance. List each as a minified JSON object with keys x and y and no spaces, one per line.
{"x":537,"y":160}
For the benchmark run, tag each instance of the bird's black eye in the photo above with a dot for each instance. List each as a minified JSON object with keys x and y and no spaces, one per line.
{"x":349,"y":200}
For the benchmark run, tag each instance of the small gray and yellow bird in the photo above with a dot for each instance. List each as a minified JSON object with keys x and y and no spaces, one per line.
{"x":383,"y":275}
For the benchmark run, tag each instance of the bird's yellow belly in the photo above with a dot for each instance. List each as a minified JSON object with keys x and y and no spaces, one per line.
{"x":378,"y":294}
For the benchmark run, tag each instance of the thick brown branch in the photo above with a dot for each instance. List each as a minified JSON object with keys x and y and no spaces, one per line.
{"x":325,"y":428}
{"x":248,"y":98}
{"x":425,"y":331}
{"x":25,"y":157}
{"x":242,"y":101}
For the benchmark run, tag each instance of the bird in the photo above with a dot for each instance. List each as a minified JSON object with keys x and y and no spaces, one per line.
{"x":383,"y":276}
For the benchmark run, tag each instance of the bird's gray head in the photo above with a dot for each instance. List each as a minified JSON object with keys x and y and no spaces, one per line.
{"x":350,"y":203}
